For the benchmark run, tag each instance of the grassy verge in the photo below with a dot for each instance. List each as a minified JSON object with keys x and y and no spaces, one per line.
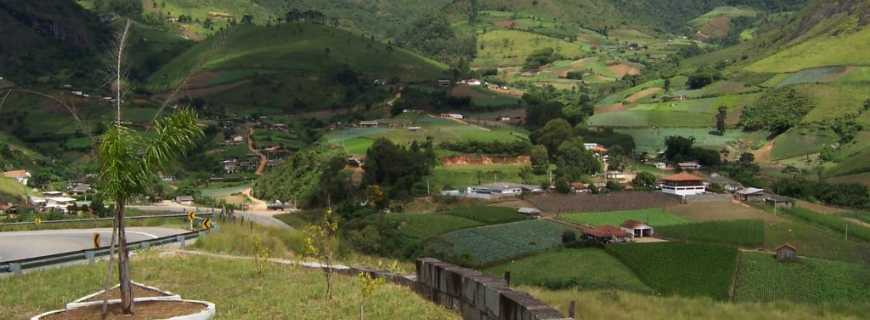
{"x":250,"y":241}
{"x":571,"y":268}
{"x":832,"y":222}
{"x":814,"y":241}
{"x":738,"y":232}
{"x":614,"y":304}
{"x":238,"y":288}
{"x":807,"y":280}
{"x":687,"y":269}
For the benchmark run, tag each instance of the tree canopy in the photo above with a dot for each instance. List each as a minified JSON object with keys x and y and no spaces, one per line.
{"x":309,"y":177}
{"x":777,"y":110}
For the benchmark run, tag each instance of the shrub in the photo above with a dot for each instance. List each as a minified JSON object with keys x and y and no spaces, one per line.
{"x":568,"y":237}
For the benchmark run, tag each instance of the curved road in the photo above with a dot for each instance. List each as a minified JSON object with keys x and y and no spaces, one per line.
{"x":29,"y":244}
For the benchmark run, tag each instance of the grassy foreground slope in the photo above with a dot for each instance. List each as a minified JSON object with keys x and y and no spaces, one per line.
{"x":235,"y":286}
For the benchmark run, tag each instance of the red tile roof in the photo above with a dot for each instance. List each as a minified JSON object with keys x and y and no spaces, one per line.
{"x":632,"y":224}
{"x":606,"y":232}
{"x":683,"y":177}
{"x":15,"y":174}
{"x":786,"y":246}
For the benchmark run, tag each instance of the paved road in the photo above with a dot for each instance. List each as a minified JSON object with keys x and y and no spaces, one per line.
{"x":263,"y":218}
{"x":28,"y":244}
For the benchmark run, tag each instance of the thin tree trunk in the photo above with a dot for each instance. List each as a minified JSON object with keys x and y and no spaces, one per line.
{"x":109,"y":268}
{"x":123,"y":262}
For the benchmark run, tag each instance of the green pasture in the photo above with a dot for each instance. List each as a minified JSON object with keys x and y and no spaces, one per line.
{"x":500,"y":48}
{"x":686,"y":269}
{"x":747,"y":233}
{"x":655,"y":217}
{"x":808,"y":280}
{"x":653,"y":140}
{"x":846,"y":48}
{"x":584,"y":269}
{"x":425,"y":226}
{"x":471,"y":175}
{"x":693,"y":113}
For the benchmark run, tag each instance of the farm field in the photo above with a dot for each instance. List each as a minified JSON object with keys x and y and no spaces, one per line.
{"x":807,"y":280}
{"x":487,"y":215}
{"x":425,"y":226}
{"x":815,"y":241}
{"x":824,"y":50}
{"x":720,"y":211}
{"x":614,"y":201}
{"x":503,"y":48}
{"x":653,"y":140}
{"x":746,"y":233}
{"x":695,"y":113}
{"x":470,"y":175}
{"x":655,"y":217}
{"x":358,"y":140}
{"x":801,"y":141}
{"x":687,"y":269}
{"x":491,"y":244}
{"x":832,"y":222}
{"x":622,"y":305}
{"x":583,"y":269}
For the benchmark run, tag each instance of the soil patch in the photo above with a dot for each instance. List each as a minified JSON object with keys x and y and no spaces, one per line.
{"x":468,"y":160}
{"x":619,"y":107}
{"x":507,"y":24}
{"x":643,"y":94}
{"x":622,"y":70}
{"x":615,"y":201}
{"x":138,"y":292}
{"x":143,"y":311}
{"x":818,"y":207}
{"x":763,"y":155}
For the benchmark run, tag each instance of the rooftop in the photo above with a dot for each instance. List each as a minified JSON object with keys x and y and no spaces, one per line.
{"x":683,"y":177}
{"x":606,"y":231}
{"x":16,"y":174}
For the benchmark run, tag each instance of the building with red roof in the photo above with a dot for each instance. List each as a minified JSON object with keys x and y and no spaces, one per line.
{"x":606,"y":234}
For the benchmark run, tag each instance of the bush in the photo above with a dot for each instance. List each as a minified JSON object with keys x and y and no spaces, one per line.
{"x":569,"y":237}
{"x":575,"y":75}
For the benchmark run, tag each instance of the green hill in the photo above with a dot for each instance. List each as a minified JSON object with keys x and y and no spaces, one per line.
{"x":61,"y":40}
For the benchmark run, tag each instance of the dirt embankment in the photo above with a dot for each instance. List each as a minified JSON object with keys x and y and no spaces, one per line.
{"x":622,"y":70}
{"x":470,"y":160}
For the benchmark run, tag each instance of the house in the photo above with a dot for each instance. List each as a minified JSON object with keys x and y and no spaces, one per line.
{"x":778,"y":201}
{"x":661,"y":165}
{"x":238,"y":139}
{"x":504,"y":119}
{"x":615,"y":175}
{"x":638,"y":229}
{"x":606,"y":234}
{"x":786,"y":253}
{"x":683,"y":184}
{"x":22,"y":176}
{"x":6,"y":208}
{"x":444,"y":83}
{"x":473,"y":82}
{"x":531,"y":212}
{"x":452,"y":116}
{"x":729,"y":185}
{"x":414,"y":129}
{"x":496,"y":190}
{"x":595,"y":148}
{"x":184,"y":200}
{"x":369,"y":124}
{"x":355,"y":162}
{"x":751,"y":194}
{"x":58,"y":203}
{"x":689,"y":166}
{"x":80,"y":189}
{"x":231,"y":166}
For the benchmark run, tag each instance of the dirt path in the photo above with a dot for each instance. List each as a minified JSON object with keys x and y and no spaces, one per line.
{"x":256,"y":204}
{"x":263,"y":159}
{"x":763,"y":155}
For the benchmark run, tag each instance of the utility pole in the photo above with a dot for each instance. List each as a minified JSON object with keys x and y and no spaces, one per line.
{"x":847,"y":232}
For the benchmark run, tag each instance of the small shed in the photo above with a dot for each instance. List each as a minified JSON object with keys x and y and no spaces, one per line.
{"x":184,"y":200}
{"x":531,"y":212}
{"x":638,"y":229}
{"x":786,"y":253}
{"x":606,"y":234}
{"x":779,"y":201}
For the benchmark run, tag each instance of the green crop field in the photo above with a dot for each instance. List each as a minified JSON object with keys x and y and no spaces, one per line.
{"x":825,"y":50}
{"x":487,"y":215}
{"x":471,"y":175}
{"x":688,"y":269}
{"x":358,"y":140}
{"x":807,"y":280}
{"x":425,"y":226}
{"x":695,"y":113}
{"x":653,"y":140}
{"x":726,"y":11}
{"x":491,"y":244}
{"x":511,"y":47}
{"x":801,"y":141}
{"x":832,"y":222}
{"x":836,"y":100}
{"x":583,"y":269}
{"x":655,"y":217}
{"x":737,"y":232}
{"x":814,"y":241}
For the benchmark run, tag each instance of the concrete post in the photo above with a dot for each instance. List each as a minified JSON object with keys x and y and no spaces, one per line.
{"x":571,"y":309}
{"x":180,"y":240}
{"x":146,"y":245}
{"x":507,"y":278}
{"x":90,"y":256}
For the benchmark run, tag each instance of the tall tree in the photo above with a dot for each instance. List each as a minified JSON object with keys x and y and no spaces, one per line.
{"x":553,"y":135}
{"x":130,"y":161}
{"x":720,"y":119}
{"x":574,"y":161}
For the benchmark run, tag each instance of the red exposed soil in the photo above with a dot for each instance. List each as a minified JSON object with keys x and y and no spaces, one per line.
{"x":138,"y":292}
{"x":611,"y":108}
{"x":643,"y":94}
{"x":507,"y":24}
{"x":466,"y":160}
{"x":142,"y":310}
{"x":585,"y":202}
{"x":622,"y":70}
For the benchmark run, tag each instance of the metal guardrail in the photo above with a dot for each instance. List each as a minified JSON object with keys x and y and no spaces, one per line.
{"x":183,"y":214}
{"x":17,"y":266}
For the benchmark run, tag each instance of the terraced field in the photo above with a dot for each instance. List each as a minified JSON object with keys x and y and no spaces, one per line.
{"x":655,"y":217}
{"x":695,"y":113}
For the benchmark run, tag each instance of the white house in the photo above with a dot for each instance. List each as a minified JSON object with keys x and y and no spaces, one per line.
{"x":638,"y":229}
{"x":59,"y":203}
{"x":689,"y":166}
{"x":473,"y":82}
{"x":497,"y":190}
{"x":684,"y":184}
{"x":22,"y":176}
{"x":184,"y":200}
{"x":452,"y":116}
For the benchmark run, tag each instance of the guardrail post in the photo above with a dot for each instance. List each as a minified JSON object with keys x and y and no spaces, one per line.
{"x":146,"y":245}
{"x":90,"y":255}
{"x":15,"y":268}
{"x":180,"y":240}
